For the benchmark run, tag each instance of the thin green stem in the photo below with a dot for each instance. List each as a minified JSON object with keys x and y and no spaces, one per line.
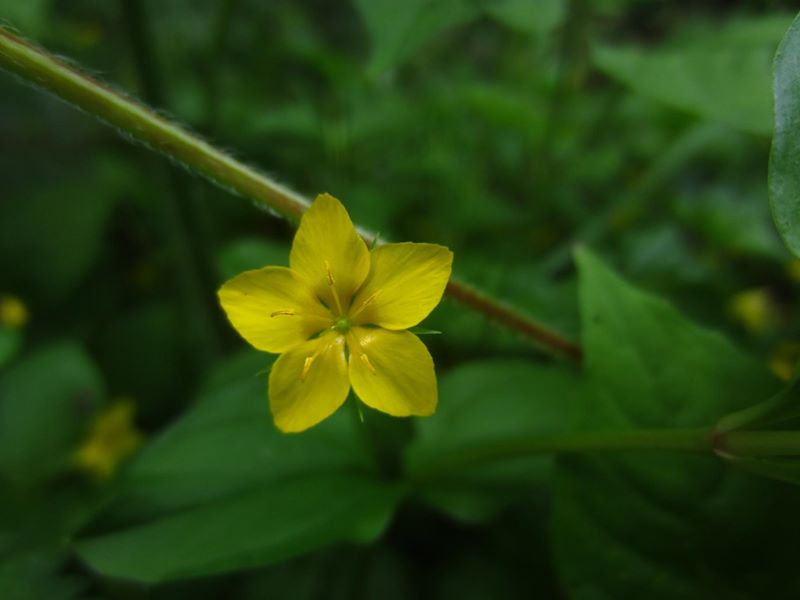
{"x":759,"y":444}
{"x":738,"y":444}
{"x":679,"y":440}
{"x":37,"y":67}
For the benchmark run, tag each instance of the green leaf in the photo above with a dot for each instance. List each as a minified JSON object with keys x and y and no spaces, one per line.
{"x":50,"y":236}
{"x":483,"y":403}
{"x":398,"y":29}
{"x":267,"y":524}
{"x":781,"y":469}
{"x":30,"y":16}
{"x":722,"y":74}
{"x":526,"y":16}
{"x":710,"y":531}
{"x":46,"y":402}
{"x":245,"y":254}
{"x":784,"y":164}
{"x":224,"y":490}
{"x":124,"y":350}
{"x":35,"y":574}
{"x":10,"y":341}
{"x":775,"y":412}
{"x":780,"y":412}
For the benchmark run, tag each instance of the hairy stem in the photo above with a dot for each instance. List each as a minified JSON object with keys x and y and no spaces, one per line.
{"x":35,"y":66}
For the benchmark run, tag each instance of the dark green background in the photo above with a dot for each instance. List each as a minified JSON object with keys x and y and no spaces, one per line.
{"x":511,"y":131}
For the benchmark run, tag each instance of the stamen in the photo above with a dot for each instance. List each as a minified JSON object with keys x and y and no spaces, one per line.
{"x":365,"y":359}
{"x":365,"y":304}
{"x":307,"y":367}
{"x":279,"y":313}
{"x":331,"y":284}
{"x":330,"y":275}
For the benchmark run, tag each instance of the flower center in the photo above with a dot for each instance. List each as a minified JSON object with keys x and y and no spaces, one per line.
{"x":342,"y":325}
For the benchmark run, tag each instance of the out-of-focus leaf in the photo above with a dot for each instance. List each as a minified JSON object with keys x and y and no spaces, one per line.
{"x":527,"y":16}
{"x":51,"y":235}
{"x":493,"y":402}
{"x":711,"y":531}
{"x":722,"y":75}
{"x":251,"y":253}
{"x":775,"y":412}
{"x":780,"y":469}
{"x":398,"y":29}
{"x":228,"y":443}
{"x":272,"y":522}
{"x":45,"y":404}
{"x":340,"y":574}
{"x":10,"y":341}
{"x":734,"y":221}
{"x":28,"y":16}
{"x":139,"y":353}
{"x":784,"y":164}
{"x":224,"y":490}
{"x":780,"y":412}
{"x":34,"y":574}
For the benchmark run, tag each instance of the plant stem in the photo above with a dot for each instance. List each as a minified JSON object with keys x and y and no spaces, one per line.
{"x":37,"y":67}
{"x":761,"y":444}
{"x":737,"y":444}
{"x":499,"y":312}
{"x":690,"y":440}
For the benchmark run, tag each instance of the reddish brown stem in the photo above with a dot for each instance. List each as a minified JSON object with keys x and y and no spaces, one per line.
{"x":499,"y":312}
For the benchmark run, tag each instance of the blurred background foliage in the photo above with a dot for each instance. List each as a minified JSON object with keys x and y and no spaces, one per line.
{"x":509,"y":130}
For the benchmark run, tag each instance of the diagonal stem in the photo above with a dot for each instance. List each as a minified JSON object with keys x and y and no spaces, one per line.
{"x":140,"y":123}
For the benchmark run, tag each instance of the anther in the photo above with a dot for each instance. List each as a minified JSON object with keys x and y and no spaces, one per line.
{"x":331,"y":283}
{"x":365,"y":359}
{"x":366,"y":303}
{"x":330,"y":274}
{"x":279,"y":313}
{"x":307,"y":367}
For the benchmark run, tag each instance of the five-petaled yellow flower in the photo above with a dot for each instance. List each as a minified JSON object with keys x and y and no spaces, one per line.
{"x":338,"y":317}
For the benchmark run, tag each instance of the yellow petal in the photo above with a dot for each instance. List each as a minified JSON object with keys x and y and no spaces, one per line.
{"x":273,"y":309}
{"x":405,"y":284}
{"x":307,"y":384}
{"x":392,"y":371}
{"x":327,"y":252}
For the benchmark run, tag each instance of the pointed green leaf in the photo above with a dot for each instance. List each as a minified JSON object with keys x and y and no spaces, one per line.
{"x":722,"y":73}
{"x":224,"y":490}
{"x":665,"y":525}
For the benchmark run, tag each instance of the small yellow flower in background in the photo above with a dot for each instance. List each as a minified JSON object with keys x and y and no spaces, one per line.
{"x":783,"y":360}
{"x":112,"y":438}
{"x":793,"y":270}
{"x":338,"y":317}
{"x":755,"y":310}
{"x":13,"y":312}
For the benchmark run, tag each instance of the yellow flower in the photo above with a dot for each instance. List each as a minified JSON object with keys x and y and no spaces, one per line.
{"x":783,"y":361}
{"x":338,"y":317}
{"x":112,"y":438}
{"x":755,"y":310}
{"x":13,"y":312}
